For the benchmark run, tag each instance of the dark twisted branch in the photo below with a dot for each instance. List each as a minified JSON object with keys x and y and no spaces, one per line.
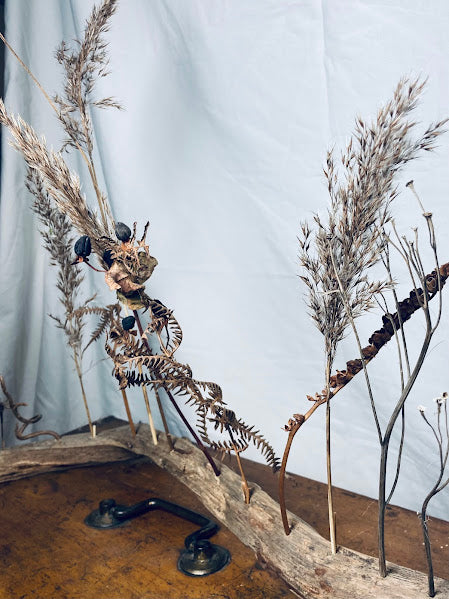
{"x":14,"y":407}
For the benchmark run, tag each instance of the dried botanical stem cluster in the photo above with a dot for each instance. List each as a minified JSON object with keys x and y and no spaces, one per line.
{"x":137,"y":363}
{"x":83,"y":67}
{"x":126,"y":259}
{"x":440,"y":431}
{"x":62,"y":184}
{"x":359,"y":209}
{"x":336,"y":257}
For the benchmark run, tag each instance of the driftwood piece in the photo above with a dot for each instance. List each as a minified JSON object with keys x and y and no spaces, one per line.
{"x":303,"y":559}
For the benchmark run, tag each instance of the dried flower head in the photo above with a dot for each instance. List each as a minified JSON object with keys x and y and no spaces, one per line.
{"x":441,"y":399}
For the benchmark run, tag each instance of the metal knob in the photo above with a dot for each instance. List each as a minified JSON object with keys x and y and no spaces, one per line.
{"x":104,"y":516}
{"x":203,"y":558}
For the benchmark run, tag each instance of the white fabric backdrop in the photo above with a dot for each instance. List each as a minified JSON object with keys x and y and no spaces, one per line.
{"x":230,"y":108}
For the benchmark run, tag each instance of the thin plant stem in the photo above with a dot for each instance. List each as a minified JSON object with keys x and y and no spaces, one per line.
{"x":291,"y":435}
{"x":401,"y":371}
{"x":128,"y":412}
{"x":83,"y":393}
{"x":245,"y":486}
{"x":385,"y":257}
{"x":175,"y":405}
{"x":399,"y":460}
{"x":436,"y":489}
{"x":147,"y":405}
{"x":359,"y":345}
{"x":147,"y":402}
{"x":158,"y":399}
{"x":385,"y":446}
{"x":330,"y":502}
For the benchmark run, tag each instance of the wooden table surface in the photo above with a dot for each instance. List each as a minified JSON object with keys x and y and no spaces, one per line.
{"x":46,"y":551}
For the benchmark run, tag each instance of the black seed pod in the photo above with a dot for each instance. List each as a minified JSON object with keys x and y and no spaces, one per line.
{"x":128,"y":323}
{"x":83,"y":247}
{"x":107,"y":258}
{"x":123,"y":232}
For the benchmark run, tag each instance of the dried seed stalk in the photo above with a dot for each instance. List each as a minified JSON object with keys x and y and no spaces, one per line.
{"x":337,"y":255}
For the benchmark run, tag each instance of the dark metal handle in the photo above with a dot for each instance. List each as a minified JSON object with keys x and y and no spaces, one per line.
{"x":208,"y":527}
{"x":199,"y":558}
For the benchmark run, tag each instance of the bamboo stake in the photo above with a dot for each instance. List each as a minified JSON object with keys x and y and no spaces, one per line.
{"x":128,"y":412}
{"x":145,"y":396}
{"x":83,"y":392}
{"x":150,"y":416}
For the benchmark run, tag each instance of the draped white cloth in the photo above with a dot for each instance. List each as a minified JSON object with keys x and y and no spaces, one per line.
{"x":230,"y":109}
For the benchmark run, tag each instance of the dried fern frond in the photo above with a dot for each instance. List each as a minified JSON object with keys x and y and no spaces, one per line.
{"x":107,"y":314}
{"x":241,"y":434}
{"x":136,"y":364}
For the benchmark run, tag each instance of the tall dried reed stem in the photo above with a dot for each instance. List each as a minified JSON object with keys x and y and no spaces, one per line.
{"x":158,"y":399}
{"x":330,"y":501}
{"x":58,"y":241}
{"x":337,"y":257}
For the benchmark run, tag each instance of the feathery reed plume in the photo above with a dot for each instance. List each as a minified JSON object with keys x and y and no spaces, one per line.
{"x":62,"y":184}
{"x":58,"y":238}
{"x":441,"y":433}
{"x":336,"y":257}
{"x":83,"y":67}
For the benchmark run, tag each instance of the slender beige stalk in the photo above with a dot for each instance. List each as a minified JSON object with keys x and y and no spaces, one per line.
{"x":83,"y":393}
{"x":245,"y":487}
{"x":145,"y":396}
{"x":330,"y":502}
{"x":351,"y":320}
{"x":164,"y":420}
{"x":128,"y":413}
{"x":147,"y":404}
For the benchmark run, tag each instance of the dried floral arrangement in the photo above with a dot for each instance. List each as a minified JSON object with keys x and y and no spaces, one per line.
{"x":142,"y":334}
{"x":337,"y":254}
{"x":142,"y":353}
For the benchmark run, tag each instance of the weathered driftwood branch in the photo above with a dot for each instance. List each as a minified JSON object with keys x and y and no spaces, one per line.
{"x":303,"y":559}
